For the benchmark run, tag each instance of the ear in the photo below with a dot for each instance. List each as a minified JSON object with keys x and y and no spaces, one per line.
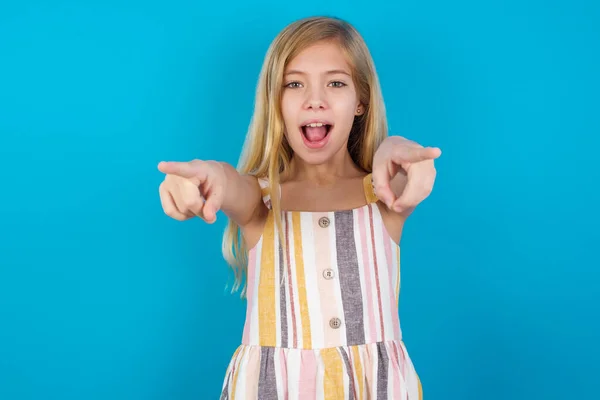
{"x":360,"y":109}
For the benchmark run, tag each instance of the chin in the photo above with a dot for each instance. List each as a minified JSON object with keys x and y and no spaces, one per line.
{"x":314,"y":159}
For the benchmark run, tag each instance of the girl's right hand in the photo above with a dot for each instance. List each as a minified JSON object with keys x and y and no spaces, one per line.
{"x":194,"y":188}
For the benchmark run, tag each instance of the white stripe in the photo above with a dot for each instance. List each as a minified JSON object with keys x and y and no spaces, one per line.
{"x":311,"y":276}
{"x":396,"y":265}
{"x":294,"y":362}
{"x":277,"y":289}
{"x":412,"y":385}
{"x":390,"y":372}
{"x":337,"y":288}
{"x":254,"y":325}
{"x":290,"y":328}
{"x":384,"y":273}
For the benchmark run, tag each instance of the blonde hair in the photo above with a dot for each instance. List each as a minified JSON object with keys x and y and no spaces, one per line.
{"x":266,"y":153}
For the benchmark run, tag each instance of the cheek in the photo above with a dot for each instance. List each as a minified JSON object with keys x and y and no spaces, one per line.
{"x":345,"y":111}
{"x":289,"y":111}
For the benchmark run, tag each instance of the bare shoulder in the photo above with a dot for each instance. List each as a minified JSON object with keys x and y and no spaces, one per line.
{"x":393,"y":221}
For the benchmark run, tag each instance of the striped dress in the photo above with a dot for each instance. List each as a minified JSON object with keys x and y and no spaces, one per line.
{"x":322,"y":318}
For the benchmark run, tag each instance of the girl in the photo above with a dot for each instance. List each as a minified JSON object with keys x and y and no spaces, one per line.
{"x":315,"y":218}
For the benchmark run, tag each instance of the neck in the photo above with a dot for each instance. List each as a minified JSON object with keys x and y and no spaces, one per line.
{"x":338,"y":167}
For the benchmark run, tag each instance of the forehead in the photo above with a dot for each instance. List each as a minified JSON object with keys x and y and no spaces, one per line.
{"x":321,"y":56}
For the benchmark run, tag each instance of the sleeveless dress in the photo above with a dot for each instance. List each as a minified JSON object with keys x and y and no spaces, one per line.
{"x":322,"y":319}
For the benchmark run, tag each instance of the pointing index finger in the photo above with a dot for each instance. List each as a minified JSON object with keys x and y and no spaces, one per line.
{"x":182,"y":169}
{"x":415,"y":154}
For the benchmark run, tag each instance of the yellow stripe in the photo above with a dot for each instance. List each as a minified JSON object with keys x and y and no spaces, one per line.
{"x":306,"y":336}
{"x":267,"y":327}
{"x":369,"y":191}
{"x":264,"y":192}
{"x":333,"y":380}
{"x":420,"y":388}
{"x":358,"y":371}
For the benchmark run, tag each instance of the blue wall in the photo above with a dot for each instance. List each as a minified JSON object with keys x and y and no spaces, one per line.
{"x":103,"y":297}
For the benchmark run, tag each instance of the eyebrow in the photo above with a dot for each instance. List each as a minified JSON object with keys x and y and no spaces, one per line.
{"x":330,"y":72}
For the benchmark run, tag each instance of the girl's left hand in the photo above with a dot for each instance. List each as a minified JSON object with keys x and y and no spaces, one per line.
{"x":403,"y":173}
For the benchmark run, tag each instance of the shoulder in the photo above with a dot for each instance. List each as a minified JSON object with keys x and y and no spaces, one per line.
{"x":253,"y":228}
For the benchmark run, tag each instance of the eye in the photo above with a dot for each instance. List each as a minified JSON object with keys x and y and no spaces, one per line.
{"x":293,"y":85}
{"x":338,"y":84}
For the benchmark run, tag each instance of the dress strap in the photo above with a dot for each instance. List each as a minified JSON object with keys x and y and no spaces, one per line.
{"x":369,"y":189}
{"x":265,"y":191}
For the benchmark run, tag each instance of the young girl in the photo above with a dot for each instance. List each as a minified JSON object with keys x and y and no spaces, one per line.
{"x":315,"y":218}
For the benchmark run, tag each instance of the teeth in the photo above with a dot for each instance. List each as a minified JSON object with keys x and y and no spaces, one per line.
{"x":315,"y":125}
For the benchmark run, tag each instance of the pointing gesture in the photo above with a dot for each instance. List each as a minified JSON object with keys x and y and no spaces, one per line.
{"x":194,"y":188}
{"x":397,"y":154}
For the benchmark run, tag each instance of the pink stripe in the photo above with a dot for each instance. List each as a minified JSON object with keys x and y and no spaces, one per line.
{"x":283,"y":369}
{"x":371,"y":329}
{"x":351,"y":373}
{"x":402,"y":360}
{"x":251,"y":375}
{"x":307,"y":389}
{"x":249,"y":296}
{"x":391,"y":268}
{"x":396,"y":372}
{"x":375,"y":264}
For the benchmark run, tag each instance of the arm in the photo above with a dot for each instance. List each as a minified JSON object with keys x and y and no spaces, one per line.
{"x":242,"y":200}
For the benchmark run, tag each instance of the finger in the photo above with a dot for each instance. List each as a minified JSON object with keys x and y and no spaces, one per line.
{"x":414,"y":192}
{"x":410,"y":154}
{"x":191,"y":198}
{"x":168,"y":205}
{"x":193,"y":169}
{"x":182,"y":202}
{"x":407,"y":200}
{"x":213,"y":204}
{"x":381,"y":185}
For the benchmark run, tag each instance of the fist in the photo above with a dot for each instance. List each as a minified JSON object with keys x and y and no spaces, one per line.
{"x":193,"y":188}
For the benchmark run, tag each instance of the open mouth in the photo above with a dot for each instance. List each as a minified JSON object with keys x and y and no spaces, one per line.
{"x":316,"y":133}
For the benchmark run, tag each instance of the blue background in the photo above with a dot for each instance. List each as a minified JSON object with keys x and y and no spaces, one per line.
{"x":102,"y":296}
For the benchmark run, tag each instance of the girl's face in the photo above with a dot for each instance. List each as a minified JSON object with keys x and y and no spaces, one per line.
{"x":319,"y":103}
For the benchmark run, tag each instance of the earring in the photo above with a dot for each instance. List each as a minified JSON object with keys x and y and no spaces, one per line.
{"x":358,"y":110}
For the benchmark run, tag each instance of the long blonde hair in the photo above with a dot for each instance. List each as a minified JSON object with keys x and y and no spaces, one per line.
{"x":266,"y":153}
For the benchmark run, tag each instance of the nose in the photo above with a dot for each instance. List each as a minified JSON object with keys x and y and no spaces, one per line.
{"x":315,"y":99}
